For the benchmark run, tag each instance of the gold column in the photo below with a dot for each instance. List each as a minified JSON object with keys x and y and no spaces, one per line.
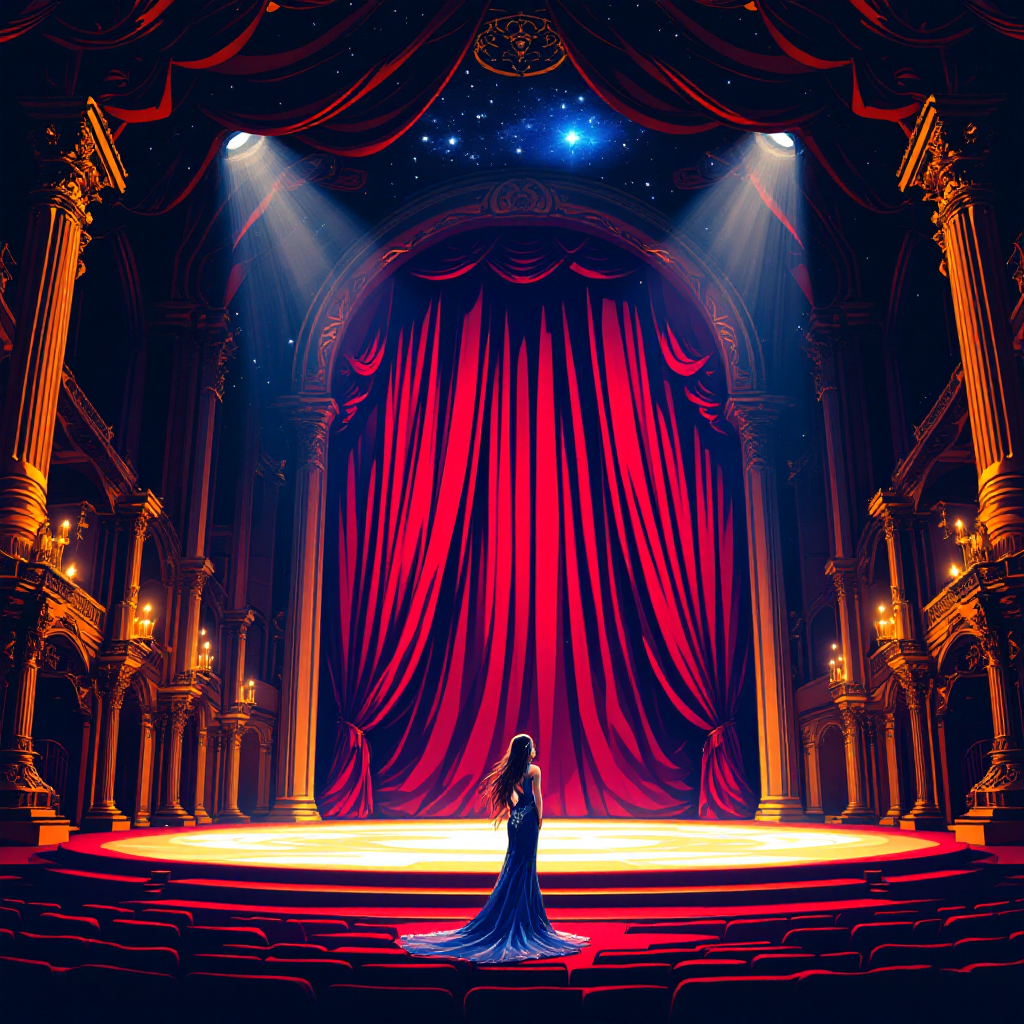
{"x":892,"y":764}
{"x":850,"y":691}
{"x":178,"y":705}
{"x":995,"y":805}
{"x":27,"y":816}
{"x":945,"y":158}
{"x":812,"y":776}
{"x":113,"y":681}
{"x":296,"y":721}
{"x":914,"y":672}
{"x":232,"y":727}
{"x":199,"y":799}
{"x":146,"y":766}
{"x":77,"y":160}
{"x":135,"y":513}
{"x":755,"y":418}
{"x":893,"y":511}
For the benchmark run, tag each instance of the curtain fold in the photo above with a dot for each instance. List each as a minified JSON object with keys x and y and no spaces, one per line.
{"x":536,"y":526}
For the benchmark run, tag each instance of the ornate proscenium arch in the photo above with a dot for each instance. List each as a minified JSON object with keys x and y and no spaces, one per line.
{"x":561,"y":203}
{"x":555,"y":201}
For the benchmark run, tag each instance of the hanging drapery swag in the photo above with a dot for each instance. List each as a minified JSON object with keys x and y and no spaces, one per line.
{"x":537,"y":525}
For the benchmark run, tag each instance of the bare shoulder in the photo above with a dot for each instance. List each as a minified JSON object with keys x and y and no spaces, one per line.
{"x":534,"y":771}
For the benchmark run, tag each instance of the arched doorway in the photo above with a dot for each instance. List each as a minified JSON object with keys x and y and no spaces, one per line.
{"x":249,"y":773}
{"x":832,"y":760}
{"x":330,"y":335}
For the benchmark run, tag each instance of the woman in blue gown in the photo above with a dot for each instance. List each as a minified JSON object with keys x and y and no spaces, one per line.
{"x":513,"y":924}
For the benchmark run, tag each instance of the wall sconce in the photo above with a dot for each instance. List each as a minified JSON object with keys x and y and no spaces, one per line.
{"x":71,"y":573}
{"x":954,"y":571}
{"x":205,"y":655}
{"x":885,"y":628}
{"x":248,"y":694}
{"x":974,"y":547}
{"x":144,"y":626}
{"x":836,"y":667}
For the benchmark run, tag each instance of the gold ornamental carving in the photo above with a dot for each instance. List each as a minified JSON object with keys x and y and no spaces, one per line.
{"x":519,"y":46}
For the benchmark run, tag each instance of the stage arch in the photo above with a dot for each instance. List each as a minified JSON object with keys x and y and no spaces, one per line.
{"x":554,"y":203}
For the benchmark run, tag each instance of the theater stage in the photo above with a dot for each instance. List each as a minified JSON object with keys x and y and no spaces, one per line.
{"x":615,"y":867}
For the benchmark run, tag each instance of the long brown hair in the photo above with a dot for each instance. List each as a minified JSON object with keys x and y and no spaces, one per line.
{"x":503,"y":778}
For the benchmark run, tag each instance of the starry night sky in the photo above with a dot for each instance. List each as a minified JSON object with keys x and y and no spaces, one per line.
{"x":485,"y":121}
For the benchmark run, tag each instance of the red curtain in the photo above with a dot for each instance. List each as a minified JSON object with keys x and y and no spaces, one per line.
{"x":537,"y":526}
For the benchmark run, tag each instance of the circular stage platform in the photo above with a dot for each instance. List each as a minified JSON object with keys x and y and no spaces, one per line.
{"x":444,"y":865}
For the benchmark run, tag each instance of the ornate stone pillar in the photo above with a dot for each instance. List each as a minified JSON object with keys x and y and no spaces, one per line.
{"x":236,"y":624}
{"x":232,"y":727}
{"x":755,"y":418}
{"x":893,"y":511}
{"x":147,"y":762}
{"x":174,"y":715}
{"x":263,"y":780}
{"x":77,"y":160}
{"x":199,"y":798}
{"x":27,"y":814}
{"x":113,"y":681}
{"x":296,"y":724}
{"x":995,"y":805}
{"x":850,"y":691}
{"x":192,"y":577}
{"x":945,"y":158}
{"x":812,"y":776}
{"x":914,"y":672}
{"x":892,"y":763}
{"x":135,"y":512}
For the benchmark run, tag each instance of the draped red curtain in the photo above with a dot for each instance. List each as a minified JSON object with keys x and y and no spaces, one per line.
{"x":537,"y":525}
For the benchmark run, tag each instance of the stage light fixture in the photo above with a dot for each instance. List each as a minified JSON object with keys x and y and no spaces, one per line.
{"x":778,"y":143}
{"x":242,"y":143}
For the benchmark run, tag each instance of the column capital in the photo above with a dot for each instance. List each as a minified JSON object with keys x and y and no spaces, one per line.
{"x":238,"y":620}
{"x":844,"y":574}
{"x":193,"y":574}
{"x":310,"y":419}
{"x":218,"y":342}
{"x":755,"y":418}
{"x":890,"y":506}
{"x":948,"y":149}
{"x":75,"y":153}
{"x":139,"y":505}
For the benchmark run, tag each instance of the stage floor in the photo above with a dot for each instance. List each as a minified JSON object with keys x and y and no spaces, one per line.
{"x":597,"y":847}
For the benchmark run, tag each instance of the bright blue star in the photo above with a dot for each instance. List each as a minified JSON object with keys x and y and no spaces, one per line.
{"x":572,"y":138}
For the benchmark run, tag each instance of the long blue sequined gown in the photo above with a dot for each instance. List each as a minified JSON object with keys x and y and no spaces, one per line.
{"x":513,"y":924}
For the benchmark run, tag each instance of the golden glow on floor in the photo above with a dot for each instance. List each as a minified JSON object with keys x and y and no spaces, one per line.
{"x":568,"y":846}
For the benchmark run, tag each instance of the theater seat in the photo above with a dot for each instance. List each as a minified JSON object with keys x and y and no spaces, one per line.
{"x":909,"y":954}
{"x":384,"y":1005}
{"x":105,"y":913}
{"x":842,"y":962}
{"x":819,"y":940}
{"x":410,"y":975}
{"x":618,"y":975}
{"x":247,"y":999}
{"x":865,"y":937}
{"x":365,"y":940}
{"x":625,"y":1004}
{"x":312,"y":926}
{"x":746,"y":929}
{"x":969,"y":926}
{"x":980,"y":951}
{"x":57,"y":950}
{"x":743,"y":1000}
{"x":747,"y":951}
{"x":211,"y":938}
{"x":927,"y":930}
{"x":10,"y":918}
{"x":357,"y":956}
{"x":102,"y":994}
{"x":6,"y":942}
{"x":516,"y":976}
{"x":880,"y":996}
{"x":142,"y":933}
{"x":226,"y":963}
{"x":298,"y":951}
{"x":708,"y":967}
{"x":66,"y":924}
{"x":181,"y":919}
{"x":274,"y":928}
{"x":540,"y":1005}
{"x":21,"y":982}
{"x":152,"y":959}
{"x":321,"y":974}
{"x":358,"y":925}
{"x":781,"y":963}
